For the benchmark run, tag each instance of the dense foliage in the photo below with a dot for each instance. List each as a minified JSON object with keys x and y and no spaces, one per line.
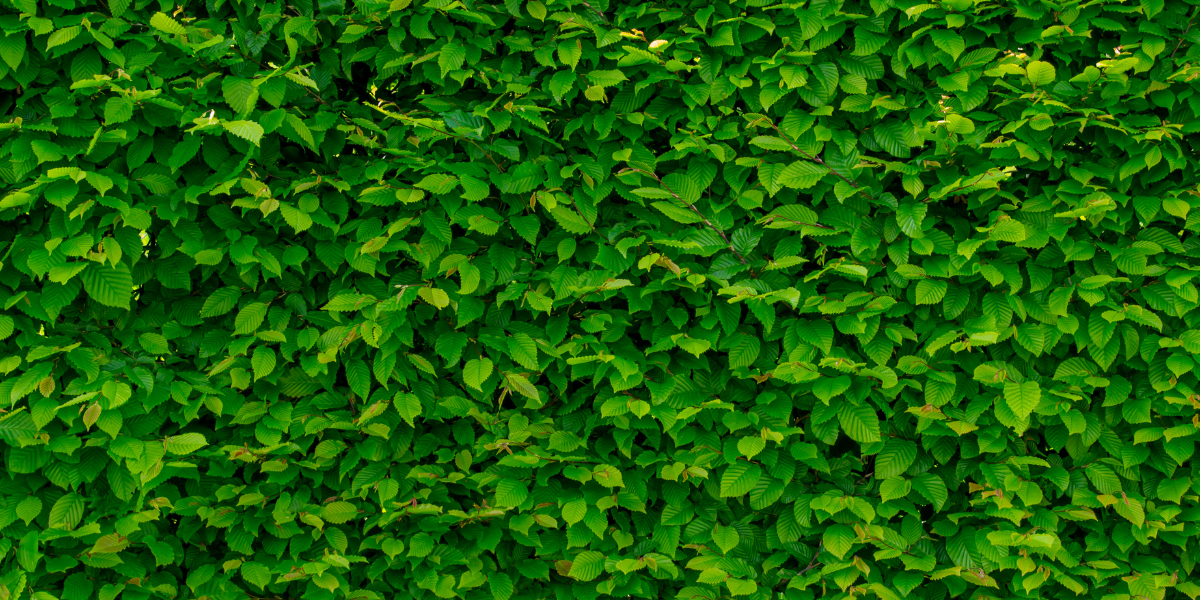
{"x":577,"y":299}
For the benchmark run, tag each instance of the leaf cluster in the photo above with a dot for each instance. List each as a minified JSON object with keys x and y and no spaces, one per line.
{"x":579,"y":299}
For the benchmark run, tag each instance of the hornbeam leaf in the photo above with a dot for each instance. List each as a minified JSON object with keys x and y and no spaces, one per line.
{"x":932,"y":488}
{"x":110,"y":544}
{"x":220,"y":302}
{"x":501,"y":586}
{"x":476,"y":371}
{"x":409,"y":407}
{"x":67,"y":511}
{"x":838,"y":539}
{"x":1040,"y":73}
{"x":247,"y":130}
{"x":166,"y":24}
{"x":240,"y":94}
{"x":739,"y":479}
{"x":949,"y":41}
{"x":28,"y":509}
{"x":1022,"y":398}
{"x":186,"y":443}
{"x":860,"y":423}
{"x":12,"y":49}
{"x":726,"y":538}
{"x":339,"y":512}
{"x":896,"y":457}
{"x":587,"y":566}
{"x":108,"y":285}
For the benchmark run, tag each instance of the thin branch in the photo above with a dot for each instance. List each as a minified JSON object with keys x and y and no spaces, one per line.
{"x":1181,"y":36}
{"x":820,"y":161}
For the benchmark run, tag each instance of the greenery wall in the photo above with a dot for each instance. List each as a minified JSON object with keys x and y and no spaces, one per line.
{"x":581,"y":299}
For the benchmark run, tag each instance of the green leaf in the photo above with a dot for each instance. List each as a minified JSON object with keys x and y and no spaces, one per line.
{"x":574,"y":511}
{"x":894,"y":488}
{"x":409,"y":407}
{"x":263,"y":362}
{"x":608,"y":476}
{"x":771,"y":143}
{"x":166,"y":24}
{"x":694,"y":346}
{"x":606,"y":78}
{"x":12,"y":49}
{"x":256,"y":574}
{"x":959,"y":124}
{"x":438,"y":183}
{"x":726,"y":538}
{"x":895,"y":458}
{"x":521,"y":385}
{"x":338,"y":512}
{"x":745,"y":352}
{"x":523,"y":350}
{"x":838,"y":539}
{"x":1172,"y":490}
{"x":220,"y":302}
{"x":751,"y":446}
{"x":569,"y":52}
{"x":246,"y":130}
{"x":802,"y":175}
{"x":420,"y":545}
{"x":476,"y":371}
{"x":910,"y":218}
{"x":240,"y":94}
{"x":1040,"y":74}
{"x":1131,"y":509}
{"x":29,"y":509}
{"x":739,"y":479}
{"x":1022,"y":398}
{"x":110,"y":544}
{"x":949,"y":42}
{"x":435,"y":296}
{"x":741,"y":587}
{"x":570,"y":221}
{"x":1177,"y":207}
{"x":451,"y":57}
{"x":1104,"y":478}
{"x":932,"y":488}
{"x":501,"y":586}
{"x":860,"y":423}
{"x":153,"y":343}
{"x":67,"y":511}
{"x":510,"y":492}
{"x":677,"y":214}
{"x":930,"y":291}
{"x":118,"y":110}
{"x":1008,"y":230}
{"x":108,"y":285}
{"x":587,"y":566}
{"x":827,"y":388}
{"x":250,"y":318}
{"x":186,"y":443}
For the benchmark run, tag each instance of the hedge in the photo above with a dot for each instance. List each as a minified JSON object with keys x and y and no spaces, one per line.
{"x":678,"y":299}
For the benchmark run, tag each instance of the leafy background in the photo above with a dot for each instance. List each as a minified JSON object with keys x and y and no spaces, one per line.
{"x":573,"y":299}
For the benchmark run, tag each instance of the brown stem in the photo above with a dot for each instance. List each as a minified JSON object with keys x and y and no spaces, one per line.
{"x":1185,"y":31}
